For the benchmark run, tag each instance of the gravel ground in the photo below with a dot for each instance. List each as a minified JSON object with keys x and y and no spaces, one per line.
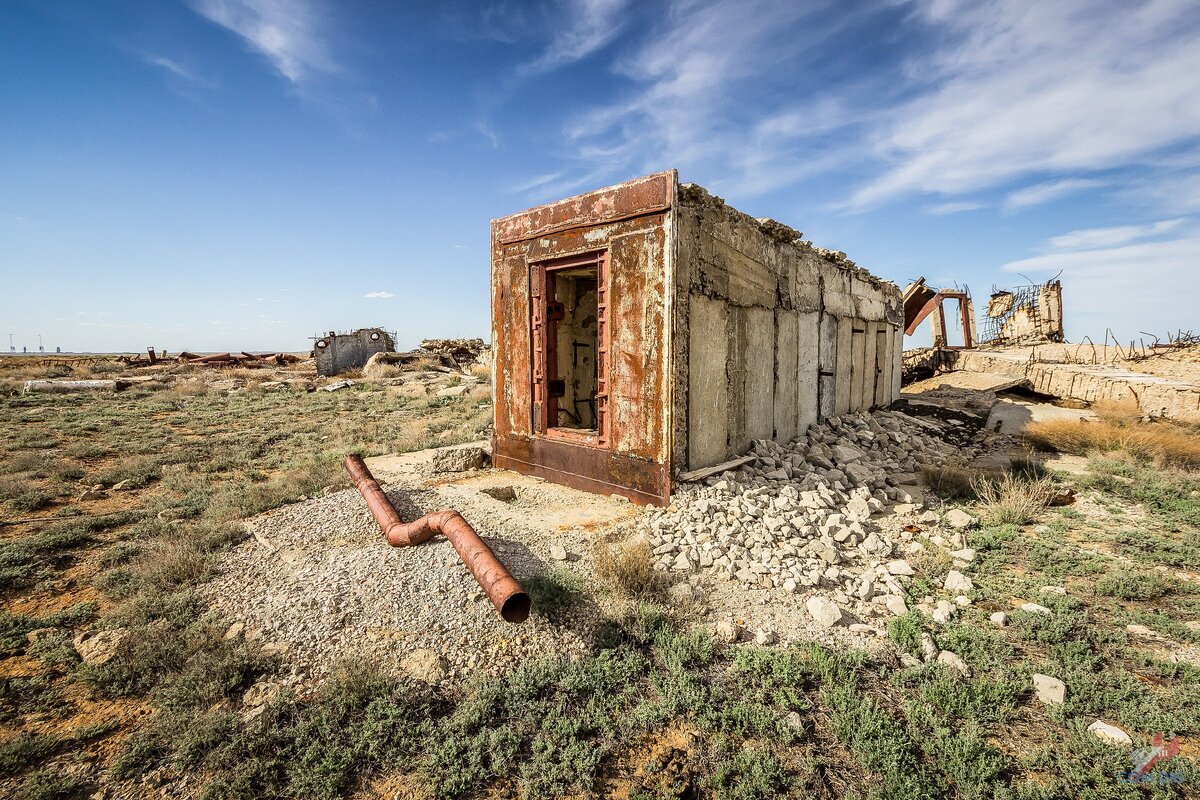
{"x":319,"y":584}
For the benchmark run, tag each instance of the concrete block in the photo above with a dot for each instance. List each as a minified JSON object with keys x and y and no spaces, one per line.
{"x":843,"y":369}
{"x":751,"y":283}
{"x":787,"y":340}
{"x":708,"y":390}
{"x":827,"y":366}
{"x":870,"y":368}
{"x":858,"y":352}
{"x":883,"y":363}
{"x":807,"y":369}
{"x":758,"y":362}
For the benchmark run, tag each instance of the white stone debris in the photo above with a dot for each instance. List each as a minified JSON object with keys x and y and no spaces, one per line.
{"x":1050,"y":691}
{"x":805,"y":517}
{"x":1110,"y":734}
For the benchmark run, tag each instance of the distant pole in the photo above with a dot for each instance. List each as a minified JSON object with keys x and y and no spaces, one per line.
{"x":40,"y":348}
{"x":12,"y":348}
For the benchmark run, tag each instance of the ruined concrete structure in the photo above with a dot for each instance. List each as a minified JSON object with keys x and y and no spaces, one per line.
{"x":647,"y":329}
{"x":1025,"y":315}
{"x":336,"y":353}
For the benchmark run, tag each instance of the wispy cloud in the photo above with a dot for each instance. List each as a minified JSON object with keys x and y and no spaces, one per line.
{"x":1109,"y":237}
{"x":381,"y":295}
{"x":286,"y":32}
{"x":1038,"y":193}
{"x":692,"y":73}
{"x":942,"y":209}
{"x":585,"y":27}
{"x":1023,"y":88}
{"x":178,"y":70}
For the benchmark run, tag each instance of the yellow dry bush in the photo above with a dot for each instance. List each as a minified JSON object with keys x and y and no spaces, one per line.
{"x":1164,"y":443}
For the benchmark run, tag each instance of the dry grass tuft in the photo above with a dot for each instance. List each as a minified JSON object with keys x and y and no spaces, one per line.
{"x":1012,"y":499}
{"x":953,"y":481}
{"x":1163,"y":443}
{"x":481,"y":371}
{"x":628,"y":567}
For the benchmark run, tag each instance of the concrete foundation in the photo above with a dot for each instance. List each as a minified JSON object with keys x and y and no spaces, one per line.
{"x":336,"y":353}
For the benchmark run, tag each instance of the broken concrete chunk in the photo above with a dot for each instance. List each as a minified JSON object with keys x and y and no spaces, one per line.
{"x":1034,"y":608}
{"x":99,"y":647}
{"x":999,"y":619}
{"x":900,"y":567}
{"x":957,"y":582}
{"x":953,"y":661}
{"x":458,"y":459}
{"x":957,"y":518}
{"x":1050,"y":691}
{"x":824,"y":611}
{"x":1110,"y":734}
{"x":454,"y":391}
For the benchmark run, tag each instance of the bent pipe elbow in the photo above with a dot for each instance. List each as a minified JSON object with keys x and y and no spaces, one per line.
{"x":507,"y":596}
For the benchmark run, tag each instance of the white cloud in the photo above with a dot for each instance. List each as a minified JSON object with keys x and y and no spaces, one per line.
{"x":378,"y":295}
{"x":1149,"y":286}
{"x":695,"y":72}
{"x":1110,"y":237}
{"x":1028,"y":87}
{"x":177,"y":69}
{"x":287,"y":32}
{"x":942,"y":209}
{"x":1039,"y":193}
{"x":589,"y":26}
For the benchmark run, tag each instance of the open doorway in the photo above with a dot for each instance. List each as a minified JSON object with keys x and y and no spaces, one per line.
{"x":569,"y":315}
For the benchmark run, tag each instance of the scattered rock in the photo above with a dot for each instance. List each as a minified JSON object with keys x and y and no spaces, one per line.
{"x":99,"y":647}
{"x":558,"y":552}
{"x":92,"y":493}
{"x":454,"y":391}
{"x":234,"y":631}
{"x":261,"y":694}
{"x":929,"y":648}
{"x":1110,"y":734}
{"x":794,"y":721}
{"x":39,"y":633}
{"x":765,"y":636}
{"x":425,"y":665}
{"x":900,"y":567}
{"x":824,"y":611}
{"x":1050,"y":691}
{"x":458,"y":459}
{"x":124,"y":486}
{"x":728,"y":631}
{"x":955,"y":662}
{"x":957,"y":582}
{"x":506,"y":494}
{"x":999,"y":619}
{"x":957,"y":518}
{"x":1034,"y":608}
{"x":1053,"y":590}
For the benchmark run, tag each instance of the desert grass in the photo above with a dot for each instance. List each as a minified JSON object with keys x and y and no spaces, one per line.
{"x":1012,"y":499}
{"x":1117,"y":430}
{"x":628,"y":569}
{"x":951,"y":481}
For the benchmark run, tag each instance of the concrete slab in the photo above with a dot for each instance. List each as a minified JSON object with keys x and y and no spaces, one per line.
{"x":708,"y":391}
{"x":1010,"y":415}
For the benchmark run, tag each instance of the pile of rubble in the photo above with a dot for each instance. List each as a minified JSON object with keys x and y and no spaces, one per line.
{"x":810,"y":516}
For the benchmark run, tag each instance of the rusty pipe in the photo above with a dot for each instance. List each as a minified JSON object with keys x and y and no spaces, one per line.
{"x":501,"y":588}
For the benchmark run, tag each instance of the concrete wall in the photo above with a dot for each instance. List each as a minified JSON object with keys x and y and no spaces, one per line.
{"x":770,"y":334}
{"x":342,"y":352}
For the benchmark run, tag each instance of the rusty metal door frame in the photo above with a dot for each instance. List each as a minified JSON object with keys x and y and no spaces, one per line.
{"x":544,"y":361}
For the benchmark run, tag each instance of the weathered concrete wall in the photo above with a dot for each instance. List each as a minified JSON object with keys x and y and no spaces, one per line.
{"x":771,"y":333}
{"x":341,"y":352}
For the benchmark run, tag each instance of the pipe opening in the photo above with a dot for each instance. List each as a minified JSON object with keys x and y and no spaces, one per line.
{"x":516,"y":608}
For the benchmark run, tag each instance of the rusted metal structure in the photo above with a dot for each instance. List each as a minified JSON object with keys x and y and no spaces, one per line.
{"x":920,"y":302}
{"x":1024,"y":315}
{"x":647,"y":329}
{"x":336,"y":353}
{"x":507,"y":596}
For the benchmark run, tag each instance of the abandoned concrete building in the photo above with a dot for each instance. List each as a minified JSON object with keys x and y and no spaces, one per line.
{"x":647,"y":329}
{"x":336,"y":353}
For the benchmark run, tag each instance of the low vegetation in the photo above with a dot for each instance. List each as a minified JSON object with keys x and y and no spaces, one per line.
{"x":1118,"y":430}
{"x":654,"y":709}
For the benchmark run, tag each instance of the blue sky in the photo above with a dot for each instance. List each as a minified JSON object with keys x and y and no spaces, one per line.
{"x":243,"y":174}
